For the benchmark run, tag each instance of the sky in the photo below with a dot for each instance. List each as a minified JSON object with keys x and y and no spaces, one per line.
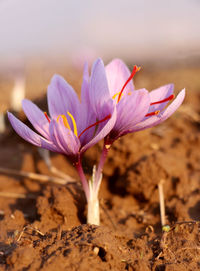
{"x":109,"y":28}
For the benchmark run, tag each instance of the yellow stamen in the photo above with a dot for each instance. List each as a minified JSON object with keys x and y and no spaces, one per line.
{"x":74,"y":124}
{"x":65,"y":121}
{"x":116,"y":94}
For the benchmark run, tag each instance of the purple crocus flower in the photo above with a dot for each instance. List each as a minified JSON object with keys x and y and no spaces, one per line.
{"x":72,"y":126}
{"x":136,"y":109}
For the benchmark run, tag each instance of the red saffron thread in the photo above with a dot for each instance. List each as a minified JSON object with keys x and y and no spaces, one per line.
{"x":165,"y":100}
{"x":135,"y":69}
{"x":45,"y":113}
{"x":94,"y":124}
{"x":152,"y":113}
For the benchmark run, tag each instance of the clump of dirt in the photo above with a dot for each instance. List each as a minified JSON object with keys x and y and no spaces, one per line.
{"x":89,"y":247}
{"x":85,"y":247}
{"x":180,"y":248}
{"x":42,"y":225}
{"x":61,"y":206}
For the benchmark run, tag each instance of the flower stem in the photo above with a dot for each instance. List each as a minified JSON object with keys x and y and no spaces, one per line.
{"x":91,"y":195}
{"x":94,"y":185}
{"x":91,"y":188}
{"x":102,"y":160}
{"x":93,"y":202}
{"x":93,"y":211}
{"x":83,"y":179}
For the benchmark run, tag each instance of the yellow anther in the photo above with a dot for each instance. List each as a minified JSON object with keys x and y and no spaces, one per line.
{"x":74,"y":124}
{"x":116,"y":94}
{"x":65,"y":121}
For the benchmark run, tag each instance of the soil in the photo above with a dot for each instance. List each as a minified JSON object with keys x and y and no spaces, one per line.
{"x":43,"y":225}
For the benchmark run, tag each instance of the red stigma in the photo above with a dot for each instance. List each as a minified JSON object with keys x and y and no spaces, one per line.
{"x":94,"y":124}
{"x":135,"y":69}
{"x":45,"y":113}
{"x":165,"y":100}
{"x":152,"y":113}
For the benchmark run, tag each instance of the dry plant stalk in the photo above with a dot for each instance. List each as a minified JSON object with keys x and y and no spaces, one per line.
{"x":46,"y":158}
{"x":162,"y":202}
{"x":16,"y":195}
{"x":28,"y":227}
{"x":34,"y":176}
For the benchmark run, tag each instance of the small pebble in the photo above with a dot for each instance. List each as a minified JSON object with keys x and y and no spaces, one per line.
{"x":96,"y":250}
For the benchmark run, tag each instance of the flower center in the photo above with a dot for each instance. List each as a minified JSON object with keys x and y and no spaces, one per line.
{"x":66,"y":123}
{"x":135,"y":69}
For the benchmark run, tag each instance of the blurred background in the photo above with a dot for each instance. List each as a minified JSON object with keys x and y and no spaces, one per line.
{"x":43,"y":37}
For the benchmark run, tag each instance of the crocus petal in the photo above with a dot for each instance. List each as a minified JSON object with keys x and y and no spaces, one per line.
{"x":26,"y":133}
{"x":103,"y":132}
{"x":117,"y":74}
{"x":36,"y":117}
{"x":131,"y":110}
{"x":99,"y":92}
{"x":90,"y":119}
{"x":64,"y":138}
{"x":159,"y":94}
{"x":87,"y":114}
{"x":155,"y":120}
{"x":62,"y":98}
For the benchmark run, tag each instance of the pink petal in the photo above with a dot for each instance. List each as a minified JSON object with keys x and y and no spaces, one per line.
{"x":159,"y":94}
{"x":103,"y":132}
{"x":62,"y":98}
{"x":131,"y":110}
{"x":86,"y":110}
{"x":99,"y":92}
{"x":117,"y":74}
{"x":36,"y":117}
{"x":155,"y":120}
{"x":26,"y":133}
{"x":64,"y":138}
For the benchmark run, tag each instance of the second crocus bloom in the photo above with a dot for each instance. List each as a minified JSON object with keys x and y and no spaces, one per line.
{"x":136,"y":109}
